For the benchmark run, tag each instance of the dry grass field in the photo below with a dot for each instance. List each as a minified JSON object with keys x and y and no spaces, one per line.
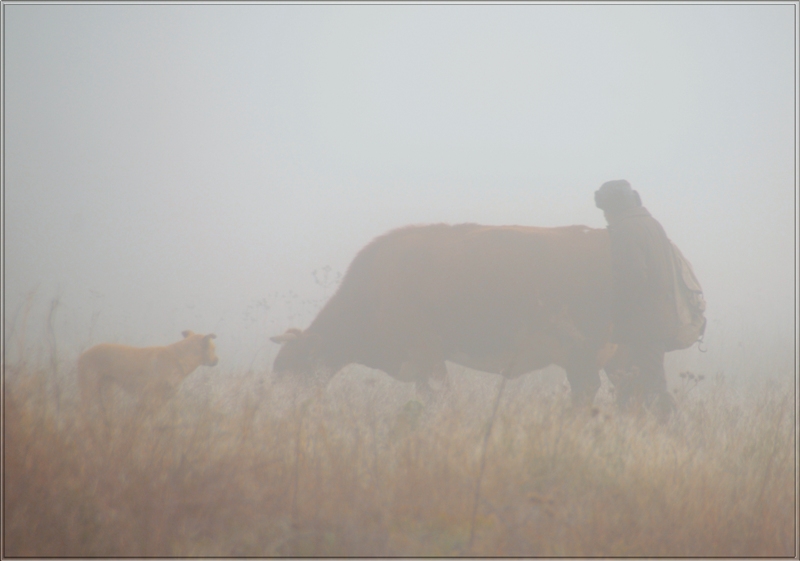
{"x":241,"y":465}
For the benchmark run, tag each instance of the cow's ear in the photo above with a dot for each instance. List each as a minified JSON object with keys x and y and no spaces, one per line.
{"x":208,"y":337}
{"x":186,"y":333}
{"x":290,"y":335}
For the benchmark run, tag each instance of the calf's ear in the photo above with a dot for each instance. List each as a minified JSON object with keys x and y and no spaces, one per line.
{"x":209,"y":336}
{"x":186,"y":333}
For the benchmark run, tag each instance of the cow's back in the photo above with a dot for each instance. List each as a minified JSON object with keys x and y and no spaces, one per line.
{"x":518,"y":282}
{"x":131,"y":368}
{"x":108,"y":358}
{"x":469,"y":290}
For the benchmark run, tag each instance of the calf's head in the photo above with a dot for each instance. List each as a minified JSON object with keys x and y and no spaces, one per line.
{"x":202,"y":347}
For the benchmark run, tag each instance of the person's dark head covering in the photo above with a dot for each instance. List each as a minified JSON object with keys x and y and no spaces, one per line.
{"x":617,"y":195}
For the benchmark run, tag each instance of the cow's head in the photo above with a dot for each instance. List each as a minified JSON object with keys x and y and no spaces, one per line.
{"x":203,"y":347}
{"x":301,"y":354}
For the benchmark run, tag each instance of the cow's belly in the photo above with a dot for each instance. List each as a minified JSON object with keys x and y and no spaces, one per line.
{"x":524,"y":363}
{"x":497,"y":365}
{"x":513,"y":362}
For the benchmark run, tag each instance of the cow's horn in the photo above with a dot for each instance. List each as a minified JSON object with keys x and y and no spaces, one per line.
{"x":290,"y":335}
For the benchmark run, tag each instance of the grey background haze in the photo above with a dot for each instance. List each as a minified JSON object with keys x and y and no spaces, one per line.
{"x":189,"y":166}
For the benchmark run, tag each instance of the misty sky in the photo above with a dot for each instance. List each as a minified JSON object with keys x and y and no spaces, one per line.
{"x":173,"y":167}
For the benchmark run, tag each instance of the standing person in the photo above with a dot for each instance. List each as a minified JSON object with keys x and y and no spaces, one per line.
{"x":643,"y":294}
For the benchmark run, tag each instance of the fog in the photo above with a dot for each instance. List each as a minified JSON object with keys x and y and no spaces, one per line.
{"x":172,"y":167}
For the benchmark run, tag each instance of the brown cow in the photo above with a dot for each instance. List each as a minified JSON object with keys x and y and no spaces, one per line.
{"x":150,"y":375}
{"x":502,"y":299}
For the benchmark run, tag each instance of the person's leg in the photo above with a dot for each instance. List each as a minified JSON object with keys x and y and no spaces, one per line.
{"x":652,"y":386}
{"x":642,"y":381}
{"x":649,"y":357}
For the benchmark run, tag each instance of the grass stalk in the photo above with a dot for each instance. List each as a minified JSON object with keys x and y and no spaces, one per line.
{"x":501,"y":386}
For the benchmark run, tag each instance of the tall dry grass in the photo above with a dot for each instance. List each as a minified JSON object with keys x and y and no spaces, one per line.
{"x":239,"y":466}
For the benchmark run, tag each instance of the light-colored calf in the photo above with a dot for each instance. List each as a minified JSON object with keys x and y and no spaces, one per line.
{"x":150,"y":375}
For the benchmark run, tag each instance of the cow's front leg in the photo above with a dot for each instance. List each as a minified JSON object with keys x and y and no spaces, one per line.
{"x":583,"y":376}
{"x":420,"y":375}
{"x":438,"y":372}
{"x":425,"y":361}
